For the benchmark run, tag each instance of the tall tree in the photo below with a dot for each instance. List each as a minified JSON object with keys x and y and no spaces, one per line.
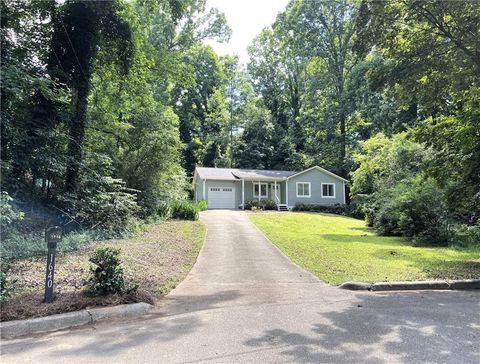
{"x":80,"y":29}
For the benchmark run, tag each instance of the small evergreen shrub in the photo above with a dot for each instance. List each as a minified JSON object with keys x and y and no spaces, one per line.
{"x":106,"y":275}
{"x":268,"y":205}
{"x":185,"y":210}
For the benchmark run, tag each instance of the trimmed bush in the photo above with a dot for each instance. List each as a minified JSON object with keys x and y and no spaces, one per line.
{"x":106,"y":276}
{"x":268,"y":205}
{"x":352,"y":210}
{"x":185,"y":210}
{"x":254,"y":204}
{"x":248,"y":204}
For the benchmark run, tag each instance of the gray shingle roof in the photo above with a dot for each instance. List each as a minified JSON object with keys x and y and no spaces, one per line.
{"x":231,"y":174}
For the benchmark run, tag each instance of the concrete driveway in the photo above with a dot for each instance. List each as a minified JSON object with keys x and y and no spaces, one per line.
{"x":245,"y":302}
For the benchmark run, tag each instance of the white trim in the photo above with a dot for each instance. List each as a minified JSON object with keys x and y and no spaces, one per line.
{"x":344,"y":198}
{"x":286,"y":192}
{"x":260,"y":190}
{"x":275,"y":190}
{"x":320,"y":169}
{"x":243,"y":194}
{"x":309,"y":189}
{"x":334,"y":193}
{"x":204,"y":195}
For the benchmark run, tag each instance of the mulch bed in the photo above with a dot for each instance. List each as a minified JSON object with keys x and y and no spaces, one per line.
{"x":156,"y":260}
{"x":30,"y":305}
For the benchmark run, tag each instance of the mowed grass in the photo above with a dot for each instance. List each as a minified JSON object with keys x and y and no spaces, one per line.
{"x":339,"y":249}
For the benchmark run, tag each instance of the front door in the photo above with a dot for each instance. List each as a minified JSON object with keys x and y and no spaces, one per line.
{"x":272,"y":192}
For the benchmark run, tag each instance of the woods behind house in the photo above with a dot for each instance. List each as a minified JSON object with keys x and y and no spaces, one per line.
{"x":107,"y":107}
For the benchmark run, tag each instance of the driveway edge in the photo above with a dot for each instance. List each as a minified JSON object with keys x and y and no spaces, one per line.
{"x":12,"y":329}
{"x":464,"y":284}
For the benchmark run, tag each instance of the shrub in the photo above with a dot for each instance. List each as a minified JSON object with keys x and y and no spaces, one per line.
{"x":164,"y":211}
{"x":185,"y":210}
{"x":107,"y":207}
{"x":202,"y":205}
{"x":414,"y":208}
{"x":106,"y":276}
{"x":466,"y":235}
{"x":6,"y":286}
{"x":135,"y":227}
{"x":249,"y":204}
{"x":9,"y":216}
{"x":254,"y":204}
{"x":268,"y":205}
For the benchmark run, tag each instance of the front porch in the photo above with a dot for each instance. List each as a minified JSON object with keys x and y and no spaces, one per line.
{"x":266,"y":189}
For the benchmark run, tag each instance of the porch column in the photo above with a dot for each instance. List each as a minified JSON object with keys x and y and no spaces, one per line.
{"x":275,"y":189}
{"x":243,"y":194}
{"x":259,"y":191}
{"x":286,"y":191}
{"x":204,"y":197}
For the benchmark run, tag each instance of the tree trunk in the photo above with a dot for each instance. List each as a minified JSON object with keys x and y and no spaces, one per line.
{"x":343,"y":144}
{"x":76,"y":137}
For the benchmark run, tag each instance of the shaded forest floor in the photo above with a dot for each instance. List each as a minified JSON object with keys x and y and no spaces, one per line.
{"x":338,"y":249}
{"x":157,"y":260}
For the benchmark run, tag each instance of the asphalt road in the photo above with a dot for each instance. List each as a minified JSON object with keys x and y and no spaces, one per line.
{"x":245,"y":302}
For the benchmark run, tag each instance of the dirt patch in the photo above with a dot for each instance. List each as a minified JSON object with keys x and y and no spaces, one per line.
{"x":156,"y":260}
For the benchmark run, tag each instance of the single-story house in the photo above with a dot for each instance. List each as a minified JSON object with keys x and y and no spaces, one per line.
{"x":228,"y":188}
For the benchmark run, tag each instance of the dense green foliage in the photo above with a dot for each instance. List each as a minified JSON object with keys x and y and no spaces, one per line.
{"x":185,"y":210}
{"x":107,"y":107}
{"x":352,"y":210}
{"x":106,"y":274}
{"x":92,"y":109}
{"x":384,"y":92}
{"x":7,"y":287}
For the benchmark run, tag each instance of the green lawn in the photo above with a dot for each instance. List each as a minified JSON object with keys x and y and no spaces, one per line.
{"x":338,"y":249}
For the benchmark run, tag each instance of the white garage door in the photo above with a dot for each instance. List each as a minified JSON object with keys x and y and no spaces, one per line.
{"x":221,"y":197}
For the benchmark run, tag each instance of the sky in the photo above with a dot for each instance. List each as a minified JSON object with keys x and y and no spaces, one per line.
{"x":247,"y":18}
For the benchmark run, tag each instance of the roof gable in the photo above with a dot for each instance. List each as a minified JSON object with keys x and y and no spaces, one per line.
{"x":321,"y":170}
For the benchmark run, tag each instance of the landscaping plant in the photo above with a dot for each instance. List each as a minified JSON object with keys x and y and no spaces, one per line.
{"x":185,"y":210}
{"x":106,"y":276}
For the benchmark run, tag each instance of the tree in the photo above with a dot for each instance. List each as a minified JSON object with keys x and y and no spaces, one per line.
{"x":79,"y":30}
{"x":326,"y":32}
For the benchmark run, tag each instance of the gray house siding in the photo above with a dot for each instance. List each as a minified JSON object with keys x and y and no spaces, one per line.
{"x":198,"y":186}
{"x":313,"y":176}
{"x":316,"y":178}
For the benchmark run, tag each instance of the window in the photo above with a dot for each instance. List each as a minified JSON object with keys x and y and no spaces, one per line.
{"x":328,"y":190}
{"x":303,"y":189}
{"x":263,"y":189}
{"x":214,"y":189}
{"x":227,"y":190}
